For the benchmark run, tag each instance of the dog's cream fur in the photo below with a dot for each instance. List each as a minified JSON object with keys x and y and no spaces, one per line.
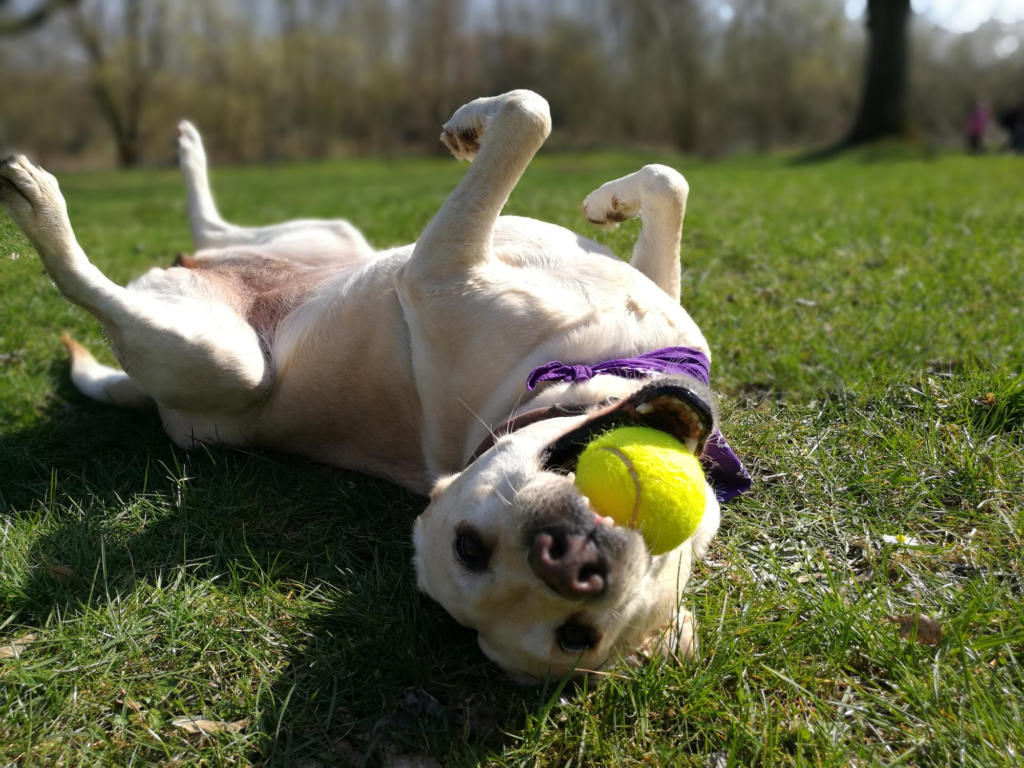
{"x":299,"y":337}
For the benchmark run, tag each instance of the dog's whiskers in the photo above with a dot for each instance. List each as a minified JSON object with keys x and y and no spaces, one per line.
{"x":477,"y":417}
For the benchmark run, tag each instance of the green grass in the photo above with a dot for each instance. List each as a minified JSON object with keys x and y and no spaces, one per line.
{"x":860,"y":314}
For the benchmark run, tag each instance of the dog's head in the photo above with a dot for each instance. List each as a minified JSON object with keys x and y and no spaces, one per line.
{"x":512,"y":549}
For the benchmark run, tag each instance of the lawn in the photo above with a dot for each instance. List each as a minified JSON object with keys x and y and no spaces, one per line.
{"x":866,"y":318}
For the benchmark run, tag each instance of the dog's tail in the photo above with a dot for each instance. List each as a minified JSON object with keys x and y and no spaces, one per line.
{"x":101,"y":383}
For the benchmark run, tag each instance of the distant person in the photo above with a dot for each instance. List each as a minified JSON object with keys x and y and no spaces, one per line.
{"x":977,"y":127}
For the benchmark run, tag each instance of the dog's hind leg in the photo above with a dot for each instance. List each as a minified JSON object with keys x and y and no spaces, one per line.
{"x":208,"y":227}
{"x":500,"y":135}
{"x":658,"y":195}
{"x":180,"y":342}
{"x":311,"y":241}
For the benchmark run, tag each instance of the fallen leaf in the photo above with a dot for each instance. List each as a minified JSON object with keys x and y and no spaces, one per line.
{"x":12,"y":648}
{"x":805,"y":302}
{"x":864,"y":576}
{"x":416,"y":706}
{"x":123,"y":700}
{"x":483,"y":719}
{"x":422,"y":703}
{"x":199,"y":725}
{"x":345,"y":748}
{"x":926,"y":629}
{"x":987,"y":400}
{"x":62,"y":574}
{"x":393,"y":758}
{"x":126,"y":582}
{"x":810,"y":577}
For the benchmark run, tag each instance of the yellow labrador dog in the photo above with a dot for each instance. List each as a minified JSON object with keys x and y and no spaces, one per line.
{"x":471,"y":366}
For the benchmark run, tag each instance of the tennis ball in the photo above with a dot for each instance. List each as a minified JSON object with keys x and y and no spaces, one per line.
{"x":644,"y":478}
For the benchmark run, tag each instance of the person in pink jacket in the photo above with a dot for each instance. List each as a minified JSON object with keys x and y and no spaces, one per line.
{"x":977,"y":126}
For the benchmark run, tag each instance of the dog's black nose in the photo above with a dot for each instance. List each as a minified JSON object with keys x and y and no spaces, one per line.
{"x":569,"y":563}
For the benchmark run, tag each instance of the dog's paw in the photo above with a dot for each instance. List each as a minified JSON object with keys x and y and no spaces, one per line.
{"x":611,"y":204}
{"x":677,"y":640}
{"x":191,"y":155}
{"x":32,"y":198}
{"x":622,"y":199}
{"x":464,"y":133}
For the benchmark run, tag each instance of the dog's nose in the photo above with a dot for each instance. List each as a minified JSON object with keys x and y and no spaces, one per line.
{"x":569,"y":563}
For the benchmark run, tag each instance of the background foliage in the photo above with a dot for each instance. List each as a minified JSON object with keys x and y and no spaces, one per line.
{"x":272,"y":79}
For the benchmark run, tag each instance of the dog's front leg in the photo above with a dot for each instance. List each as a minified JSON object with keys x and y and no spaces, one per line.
{"x":658,"y":195}
{"x":502,"y":133}
{"x":450,"y":286}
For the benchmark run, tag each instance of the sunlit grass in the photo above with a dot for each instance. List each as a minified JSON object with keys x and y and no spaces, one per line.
{"x":860,"y":316}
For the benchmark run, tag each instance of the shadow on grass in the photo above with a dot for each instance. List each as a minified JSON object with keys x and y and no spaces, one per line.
{"x":885,"y":151}
{"x":371,"y":667}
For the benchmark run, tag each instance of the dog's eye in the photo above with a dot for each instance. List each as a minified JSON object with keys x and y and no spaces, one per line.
{"x":576,"y":638}
{"x":471,"y":551}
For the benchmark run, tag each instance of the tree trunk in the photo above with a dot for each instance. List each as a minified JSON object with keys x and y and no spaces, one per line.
{"x":882,"y":108}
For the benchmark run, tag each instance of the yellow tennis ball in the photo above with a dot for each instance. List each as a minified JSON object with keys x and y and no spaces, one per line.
{"x":644,"y":478}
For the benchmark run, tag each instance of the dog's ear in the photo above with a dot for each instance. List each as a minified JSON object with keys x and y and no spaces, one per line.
{"x":442,"y":485}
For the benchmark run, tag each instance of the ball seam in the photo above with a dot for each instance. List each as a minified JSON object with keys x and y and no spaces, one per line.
{"x":633,"y":474}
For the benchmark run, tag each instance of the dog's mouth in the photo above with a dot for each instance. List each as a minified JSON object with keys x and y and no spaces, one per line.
{"x":671,"y":407}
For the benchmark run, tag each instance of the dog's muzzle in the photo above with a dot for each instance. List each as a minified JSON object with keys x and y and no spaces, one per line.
{"x":575,"y":555}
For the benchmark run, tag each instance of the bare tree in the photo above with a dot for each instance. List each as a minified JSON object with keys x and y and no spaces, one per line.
{"x":433,"y":60}
{"x":664,"y":43}
{"x":32,"y":18}
{"x":125,"y":51}
{"x":280,"y":79}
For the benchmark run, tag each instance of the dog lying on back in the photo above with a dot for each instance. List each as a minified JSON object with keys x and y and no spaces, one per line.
{"x":420,"y":364}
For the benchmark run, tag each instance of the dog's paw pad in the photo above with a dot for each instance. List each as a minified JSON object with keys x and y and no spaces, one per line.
{"x":33,"y":199}
{"x":463,"y":143}
{"x":605,"y":207}
{"x":28,"y":185}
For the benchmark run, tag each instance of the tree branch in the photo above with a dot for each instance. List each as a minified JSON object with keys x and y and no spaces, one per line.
{"x":33,"y":19}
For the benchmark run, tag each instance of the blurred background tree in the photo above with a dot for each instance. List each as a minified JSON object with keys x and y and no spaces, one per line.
{"x":96,"y":82}
{"x":883,"y":108}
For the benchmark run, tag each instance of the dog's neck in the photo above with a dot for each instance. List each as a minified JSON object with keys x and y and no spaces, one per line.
{"x":559,"y":400}
{"x":570,"y":390}
{"x":599,"y":393}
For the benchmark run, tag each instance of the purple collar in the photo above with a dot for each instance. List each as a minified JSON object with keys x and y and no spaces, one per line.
{"x":723,"y":467}
{"x":685,"y":360}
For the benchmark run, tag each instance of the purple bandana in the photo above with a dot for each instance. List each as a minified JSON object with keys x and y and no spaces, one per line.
{"x":725,"y":471}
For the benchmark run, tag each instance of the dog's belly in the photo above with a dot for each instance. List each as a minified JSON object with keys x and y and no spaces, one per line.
{"x":347,"y":393}
{"x":344,"y":391}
